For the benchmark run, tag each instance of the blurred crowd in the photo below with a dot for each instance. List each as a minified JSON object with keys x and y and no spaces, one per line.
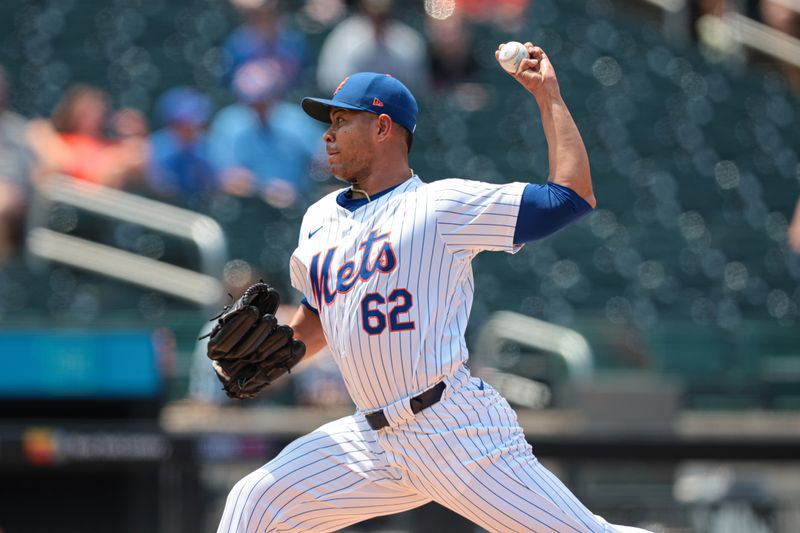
{"x":192,"y":145}
{"x":780,"y":15}
{"x":257,"y":143}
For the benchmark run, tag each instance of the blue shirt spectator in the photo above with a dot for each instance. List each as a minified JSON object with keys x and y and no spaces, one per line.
{"x":262,"y":145}
{"x":180,"y":165}
{"x":264,"y":34}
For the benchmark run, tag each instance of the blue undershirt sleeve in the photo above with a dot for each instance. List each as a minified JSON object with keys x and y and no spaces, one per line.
{"x":545,"y":209}
{"x":309,"y":306}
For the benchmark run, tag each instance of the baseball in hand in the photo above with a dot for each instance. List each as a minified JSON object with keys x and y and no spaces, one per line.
{"x":511,"y":54}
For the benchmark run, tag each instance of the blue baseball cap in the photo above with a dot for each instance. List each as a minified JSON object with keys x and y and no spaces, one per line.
{"x":184,"y":105}
{"x":372,"y":92}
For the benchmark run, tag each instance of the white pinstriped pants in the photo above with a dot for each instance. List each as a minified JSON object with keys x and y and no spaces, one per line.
{"x":466,"y":452}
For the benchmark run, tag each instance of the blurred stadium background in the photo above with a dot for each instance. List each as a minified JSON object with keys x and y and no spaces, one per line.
{"x":653,"y":349}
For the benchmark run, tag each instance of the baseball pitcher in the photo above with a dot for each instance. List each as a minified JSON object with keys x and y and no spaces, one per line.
{"x":384,"y":266}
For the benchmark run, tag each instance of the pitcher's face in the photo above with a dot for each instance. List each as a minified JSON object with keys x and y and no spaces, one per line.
{"x":350,"y":144}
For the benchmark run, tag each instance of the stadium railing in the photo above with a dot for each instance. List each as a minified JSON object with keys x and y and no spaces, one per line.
{"x":201,"y":287}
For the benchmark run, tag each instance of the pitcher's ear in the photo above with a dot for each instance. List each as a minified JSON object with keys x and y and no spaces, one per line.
{"x":384,"y":124}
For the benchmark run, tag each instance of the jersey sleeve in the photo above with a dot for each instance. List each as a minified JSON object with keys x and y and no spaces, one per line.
{"x":475,"y":216}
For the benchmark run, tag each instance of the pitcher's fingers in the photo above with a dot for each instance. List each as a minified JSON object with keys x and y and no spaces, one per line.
{"x":528,"y":64}
{"x":544,"y":60}
{"x":533,"y":49}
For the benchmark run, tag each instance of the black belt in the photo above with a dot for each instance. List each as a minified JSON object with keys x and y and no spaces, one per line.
{"x":377,"y":420}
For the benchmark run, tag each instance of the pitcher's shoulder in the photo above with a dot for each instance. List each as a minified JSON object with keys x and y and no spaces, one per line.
{"x":324,"y":206}
{"x":448,"y":183}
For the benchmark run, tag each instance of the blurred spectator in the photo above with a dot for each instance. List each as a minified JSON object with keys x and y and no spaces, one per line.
{"x":180,"y":165}
{"x":794,"y":229}
{"x":782,"y":17}
{"x":262,"y":145}
{"x":452,"y":59}
{"x":16,"y":163}
{"x":372,"y":41}
{"x":265,"y":34}
{"x":318,"y":381}
{"x":508,"y":15}
{"x":779,"y":15}
{"x":75,"y":143}
{"x":320,"y":14}
{"x":710,"y":7}
{"x":704,"y":28}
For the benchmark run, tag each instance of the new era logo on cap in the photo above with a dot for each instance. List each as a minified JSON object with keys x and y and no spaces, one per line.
{"x":372,"y":92}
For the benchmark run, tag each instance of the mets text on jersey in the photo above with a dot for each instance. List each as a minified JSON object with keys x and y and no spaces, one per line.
{"x":361,"y":268}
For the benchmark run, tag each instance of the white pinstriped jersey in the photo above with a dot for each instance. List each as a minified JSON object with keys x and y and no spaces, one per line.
{"x":393,"y":285}
{"x":392,"y":280}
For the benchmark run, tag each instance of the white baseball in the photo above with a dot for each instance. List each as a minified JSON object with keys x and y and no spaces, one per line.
{"x":511,"y":54}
